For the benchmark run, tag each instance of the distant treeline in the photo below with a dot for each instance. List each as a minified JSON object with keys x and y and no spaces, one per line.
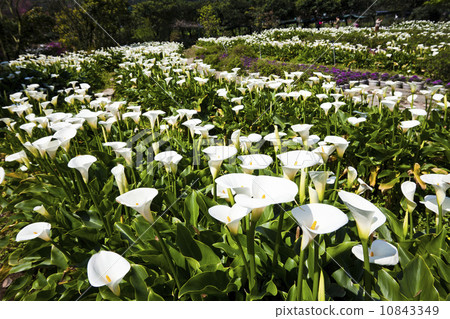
{"x":51,"y":26}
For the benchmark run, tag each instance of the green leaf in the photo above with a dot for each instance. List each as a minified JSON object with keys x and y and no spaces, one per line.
{"x":211,"y":283}
{"x":127,"y":232}
{"x":58,"y":258}
{"x":21,"y":267}
{"x":390,"y":288}
{"x":193,"y":207}
{"x":153,"y":296}
{"x":417,"y":282}
{"x":321,"y":296}
{"x":432,"y":244}
{"x":186,"y":243}
{"x":137,"y":280}
{"x":333,"y":252}
{"x":442,"y":268}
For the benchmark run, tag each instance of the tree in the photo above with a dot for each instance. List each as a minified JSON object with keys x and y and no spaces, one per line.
{"x":208,"y":19}
{"x":93,"y":24}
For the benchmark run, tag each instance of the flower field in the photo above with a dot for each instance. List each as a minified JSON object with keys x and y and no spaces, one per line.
{"x":190,"y":183}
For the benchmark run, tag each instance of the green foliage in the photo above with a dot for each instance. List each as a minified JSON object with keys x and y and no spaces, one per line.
{"x":97,"y":24}
{"x":208,"y":19}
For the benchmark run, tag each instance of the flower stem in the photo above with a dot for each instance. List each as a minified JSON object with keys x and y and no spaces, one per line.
{"x":278,"y":238}
{"x":230,"y":196}
{"x":316,"y":269}
{"x":168,"y":258}
{"x":246,"y":266}
{"x":367,"y":280}
{"x":301,"y":261}
{"x":302,"y":186}
{"x":251,"y":252}
{"x":336,"y":183}
{"x":439,"y":226}
{"x":410,"y":225}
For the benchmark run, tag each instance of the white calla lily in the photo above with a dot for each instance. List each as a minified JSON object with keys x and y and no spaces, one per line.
{"x":82,"y":164}
{"x":440,"y":182}
{"x":267,"y":190}
{"x":230,"y":216}
{"x":35,"y":230}
{"x":107,"y":268}
{"x":316,"y":219}
{"x":254,"y":161}
{"x":367,"y":216}
{"x":140,"y":200}
{"x":380,"y":252}
{"x":408,"y":190}
{"x":121,"y":180}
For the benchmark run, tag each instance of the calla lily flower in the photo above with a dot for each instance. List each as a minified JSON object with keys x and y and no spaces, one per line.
{"x":115,"y":145}
{"x":82,"y":164}
{"x":381,"y":253}
{"x":408,"y":190}
{"x":356,"y":120}
{"x":316,"y":219}
{"x":294,"y":160}
{"x":64,"y":136}
{"x":303,"y":131}
{"x":352,"y":174}
{"x":106,"y":268}
{"x":108,"y":123}
{"x":275,"y":138}
{"x":51,"y":148}
{"x":326,"y":107}
{"x":430,"y":202}
{"x":20,"y":157}
{"x":140,"y":200}
{"x":324,"y":150}
{"x":363,"y":186}
{"x":254,"y":161}
{"x":235,"y":138}
{"x":440,"y":182}
{"x":170,"y":159}
{"x":340,"y":143}
{"x":267,"y":190}
{"x":406,"y":125}
{"x":319,"y":179}
{"x":153,"y":116}
{"x":126,"y":153}
{"x":35,"y":230}
{"x":217,"y":155}
{"x":239,"y":183}
{"x":230,"y":216}
{"x":121,"y":180}
{"x":28,"y":127}
{"x":367,"y":216}
{"x":41,"y":210}
{"x":191,"y":124}
{"x":2,"y":175}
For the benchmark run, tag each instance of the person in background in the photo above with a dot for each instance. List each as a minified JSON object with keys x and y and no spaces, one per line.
{"x":377,"y":24}
{"x":336,"y":23}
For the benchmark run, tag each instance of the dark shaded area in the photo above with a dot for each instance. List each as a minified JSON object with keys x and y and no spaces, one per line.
{"x":53,"y":26}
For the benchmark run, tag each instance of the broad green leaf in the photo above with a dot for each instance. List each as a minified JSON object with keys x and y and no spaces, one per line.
{"x":390,"y":289}
{"x":137,"y":280}
{"x":21,"y":267}
{"x":193,"y":207}
{"x":153,"y":296}
{"x":333,"y":252}
{"x":58,"y":258}
{"x":417,"y":282}
{"x":321,"y":295}
{"x":211,"y":283}
{"x":186,"y":243}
